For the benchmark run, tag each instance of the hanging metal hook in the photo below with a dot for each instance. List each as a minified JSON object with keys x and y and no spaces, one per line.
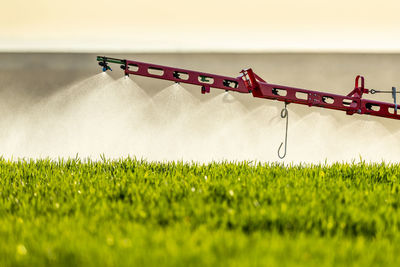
{"x":284,"y":114}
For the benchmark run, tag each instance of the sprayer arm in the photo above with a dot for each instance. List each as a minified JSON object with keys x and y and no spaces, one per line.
{"x":249,"y":82}
{"x":205,"y":80}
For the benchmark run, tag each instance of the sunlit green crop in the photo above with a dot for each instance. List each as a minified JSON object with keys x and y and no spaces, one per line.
{"x":137,"y":213}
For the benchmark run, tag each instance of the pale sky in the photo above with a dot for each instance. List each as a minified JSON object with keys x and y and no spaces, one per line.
{"x":205,"y":25}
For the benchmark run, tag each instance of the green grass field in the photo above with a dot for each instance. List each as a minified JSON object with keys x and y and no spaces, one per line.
{"x":137,"y":213}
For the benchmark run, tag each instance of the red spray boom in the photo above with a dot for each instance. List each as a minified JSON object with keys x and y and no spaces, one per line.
{"x":249,"y":82}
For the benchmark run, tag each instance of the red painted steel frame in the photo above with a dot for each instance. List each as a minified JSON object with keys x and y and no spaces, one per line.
{"x":186,"y":76}
{"x":352,"y":103}
{"x":249,"y":82}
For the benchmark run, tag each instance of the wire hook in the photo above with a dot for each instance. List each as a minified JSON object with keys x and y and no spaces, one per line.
{"x":284,"y":114}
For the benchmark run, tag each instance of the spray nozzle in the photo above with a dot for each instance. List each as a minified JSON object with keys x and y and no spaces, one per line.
{"x":105,"y":66}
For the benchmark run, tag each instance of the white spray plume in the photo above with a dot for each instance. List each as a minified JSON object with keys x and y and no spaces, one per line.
{"x":117,"y":118}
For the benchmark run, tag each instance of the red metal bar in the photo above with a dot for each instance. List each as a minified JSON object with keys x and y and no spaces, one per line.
{"x":352,"y":103}
{"x":206,"y":80}
{"x":249,"y":82}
